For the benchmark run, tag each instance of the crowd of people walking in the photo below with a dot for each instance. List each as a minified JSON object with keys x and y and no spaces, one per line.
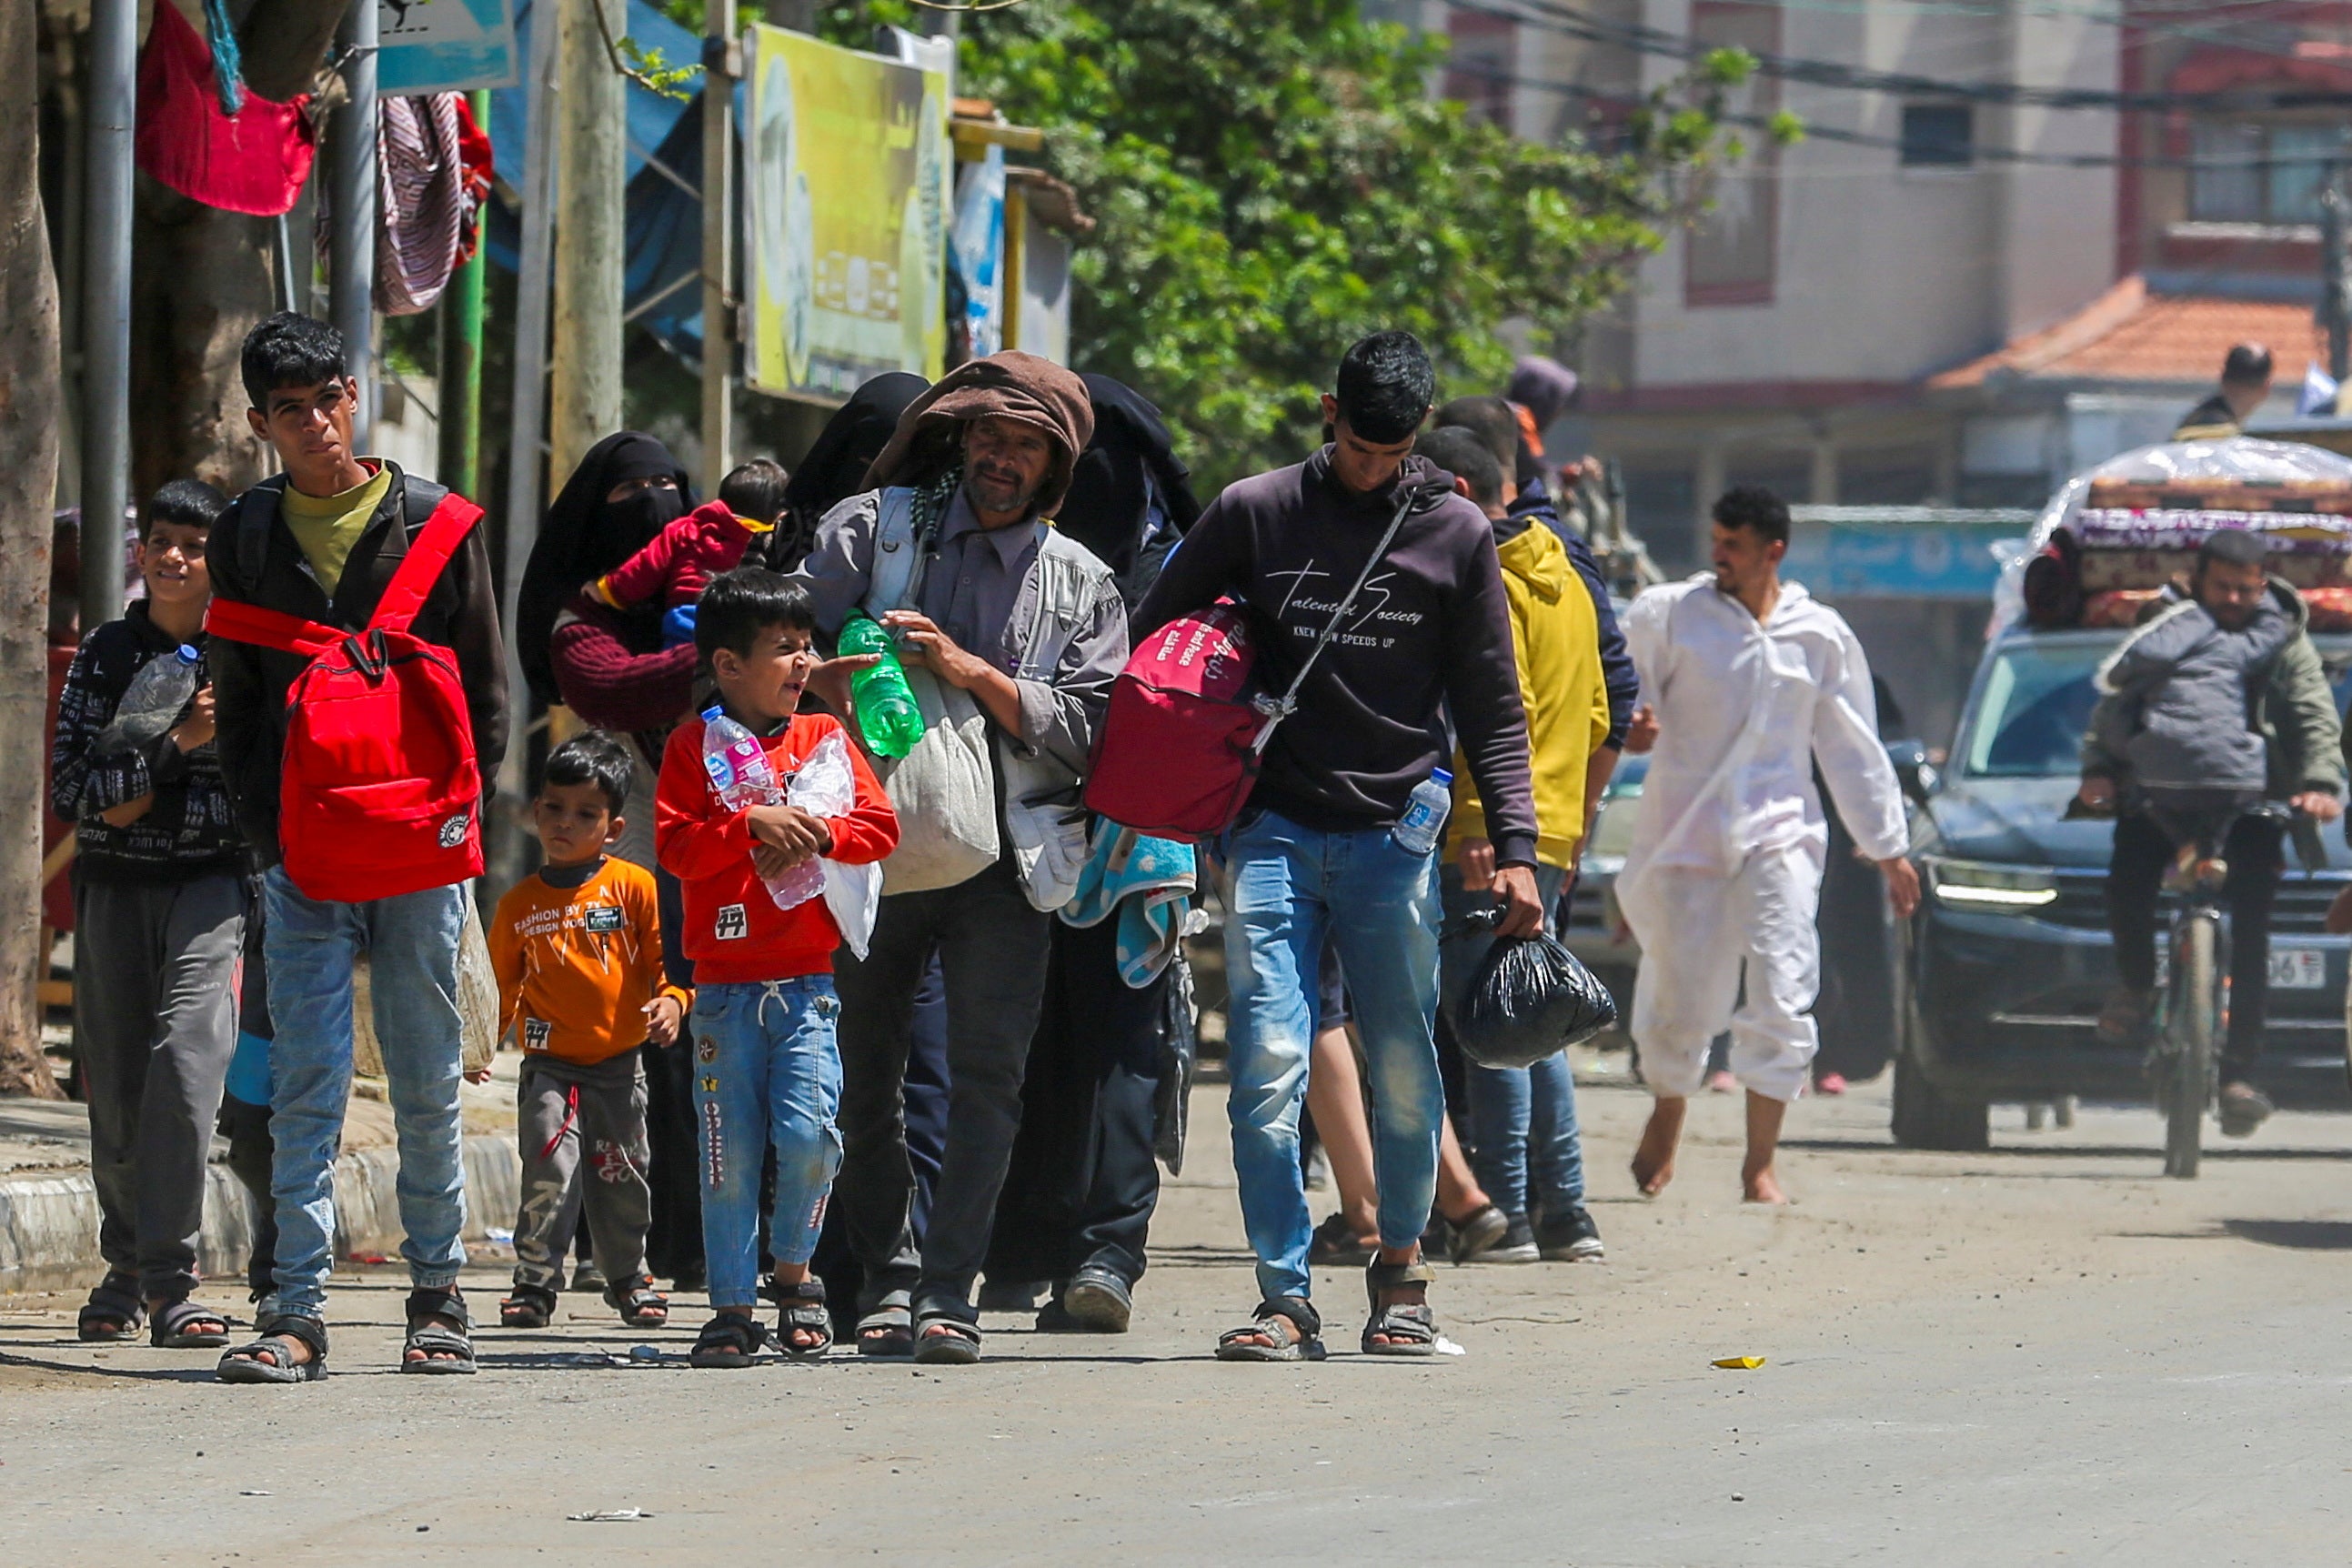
{"x":838,"y":986}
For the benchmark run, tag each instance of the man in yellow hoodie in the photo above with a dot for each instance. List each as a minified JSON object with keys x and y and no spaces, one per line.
{"x":1523,"y":1119}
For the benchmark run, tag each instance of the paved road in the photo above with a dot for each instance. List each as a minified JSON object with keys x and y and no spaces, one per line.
{"x":2044,"y":1351}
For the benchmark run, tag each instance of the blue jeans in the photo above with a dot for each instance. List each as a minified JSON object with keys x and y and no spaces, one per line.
{"x":767,"y":1073}
{"x":412,"y":947}
{"x":1519,"y":1117}
{"x":1287,"y":887}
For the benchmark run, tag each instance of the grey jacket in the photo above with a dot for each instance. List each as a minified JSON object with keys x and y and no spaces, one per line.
{"x":2186,"y":704}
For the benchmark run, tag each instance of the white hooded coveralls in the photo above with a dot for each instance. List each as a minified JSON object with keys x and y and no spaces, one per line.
{"x":1725,"y":869}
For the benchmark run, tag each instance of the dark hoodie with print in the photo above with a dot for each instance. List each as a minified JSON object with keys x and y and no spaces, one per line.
{"x":1430,"y":634}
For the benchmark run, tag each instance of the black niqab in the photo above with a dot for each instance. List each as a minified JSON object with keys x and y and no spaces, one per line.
{"x":584,"y":536}
{"x":1130,"y":462}
{"x":835,"y":467}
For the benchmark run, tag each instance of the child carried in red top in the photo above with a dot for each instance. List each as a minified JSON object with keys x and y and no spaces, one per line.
{"x":767,"y":1068}
{"x":678,"y":563}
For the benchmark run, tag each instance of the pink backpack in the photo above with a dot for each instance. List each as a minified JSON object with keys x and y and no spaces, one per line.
{"x":1178,"y":751}
{"x":1184,"y":762}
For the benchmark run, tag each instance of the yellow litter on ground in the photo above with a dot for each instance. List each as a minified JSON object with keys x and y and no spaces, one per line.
{"x":1740,"y":1362}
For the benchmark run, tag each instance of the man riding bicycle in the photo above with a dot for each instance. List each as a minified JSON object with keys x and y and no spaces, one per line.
{"x":2216,"y":704}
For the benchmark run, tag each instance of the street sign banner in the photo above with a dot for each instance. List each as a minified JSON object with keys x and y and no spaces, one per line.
{"x":847,"y":172}
{"x":444,"y":46}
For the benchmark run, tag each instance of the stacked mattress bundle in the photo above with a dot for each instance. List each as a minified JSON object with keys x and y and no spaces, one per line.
{"x":2132,"y":538}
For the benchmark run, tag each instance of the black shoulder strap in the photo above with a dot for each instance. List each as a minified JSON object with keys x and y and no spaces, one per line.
{"x":418,"y":498}
{"x":256,"y":511}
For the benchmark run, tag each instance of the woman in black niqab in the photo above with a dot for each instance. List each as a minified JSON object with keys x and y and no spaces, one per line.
{"x":625,"y":491}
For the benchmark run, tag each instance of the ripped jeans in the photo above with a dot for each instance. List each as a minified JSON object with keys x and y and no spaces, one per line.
{"x":1287,"y":885}
{"x":766,"y":1071}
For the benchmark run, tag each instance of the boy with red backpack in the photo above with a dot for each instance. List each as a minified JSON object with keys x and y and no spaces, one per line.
{"x":360,"y":689}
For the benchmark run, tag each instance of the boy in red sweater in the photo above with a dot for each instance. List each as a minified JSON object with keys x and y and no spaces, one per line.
{"x":767,"y":1071}
{"x":680,"y":562}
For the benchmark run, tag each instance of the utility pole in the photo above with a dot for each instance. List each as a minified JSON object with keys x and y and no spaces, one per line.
{"x":591,"y":170}
{"x":528,"y":433}
{"x":350,"y":246}
{"x":461,"y":356}
{"x":722,"y":66}
{"x":106,"y":307}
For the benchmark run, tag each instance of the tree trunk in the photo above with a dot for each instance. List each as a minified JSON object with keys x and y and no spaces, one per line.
{"x":30,"y":393}
{"x":201,"y":278}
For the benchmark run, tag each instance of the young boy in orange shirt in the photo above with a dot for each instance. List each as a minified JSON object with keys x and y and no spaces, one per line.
{"x":767,"y":1069}
{"x":577,"y":947}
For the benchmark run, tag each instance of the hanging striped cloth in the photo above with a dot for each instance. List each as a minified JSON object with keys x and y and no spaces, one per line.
{"x":422,"y":201}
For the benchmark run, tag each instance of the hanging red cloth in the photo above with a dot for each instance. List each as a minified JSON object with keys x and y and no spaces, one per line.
{"x":474,"y":152}
{"x":253,"y":164}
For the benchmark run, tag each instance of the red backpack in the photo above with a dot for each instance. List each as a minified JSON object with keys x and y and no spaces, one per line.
{"x":1184,"y":763}
{"x":379,"y":793}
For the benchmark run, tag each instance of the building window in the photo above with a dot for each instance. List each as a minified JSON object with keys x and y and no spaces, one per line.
{"x":1938,"y":136}
{"x":2261,"y":174}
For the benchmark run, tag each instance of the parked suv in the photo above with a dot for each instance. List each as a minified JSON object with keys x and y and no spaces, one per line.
{"x":2002,"y":971}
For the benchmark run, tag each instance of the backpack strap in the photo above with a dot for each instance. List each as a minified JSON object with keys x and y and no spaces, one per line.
{"x":429,"y":551}
{"x":240,"y":622}
{"x":891,"y":579}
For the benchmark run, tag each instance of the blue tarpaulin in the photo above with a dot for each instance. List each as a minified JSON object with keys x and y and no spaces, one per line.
{"x":663,"y":236}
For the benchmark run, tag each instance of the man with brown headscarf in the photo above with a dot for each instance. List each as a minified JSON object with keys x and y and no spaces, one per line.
{"x":1026,"y":626}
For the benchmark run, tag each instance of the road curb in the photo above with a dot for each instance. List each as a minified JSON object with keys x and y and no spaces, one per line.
{"x":48,"y":1220}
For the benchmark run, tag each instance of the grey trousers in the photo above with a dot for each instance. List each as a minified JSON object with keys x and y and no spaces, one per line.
{"x":584,"y":1145}
{"x":992,"y":952}
{"x":155,"y":1026}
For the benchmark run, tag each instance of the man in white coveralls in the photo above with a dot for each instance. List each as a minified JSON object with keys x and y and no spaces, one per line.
{"x":1752,"y":682}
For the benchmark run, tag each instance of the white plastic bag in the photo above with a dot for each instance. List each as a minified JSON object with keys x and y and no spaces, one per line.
{"x":826,"y":785}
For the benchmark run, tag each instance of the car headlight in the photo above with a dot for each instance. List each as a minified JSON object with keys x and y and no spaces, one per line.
{"x":1973,"y":885}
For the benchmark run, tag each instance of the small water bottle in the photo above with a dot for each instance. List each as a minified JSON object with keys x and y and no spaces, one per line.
{"x":155,"y":697}
{"x":743,"y":777}
{"x":1417,"y":830}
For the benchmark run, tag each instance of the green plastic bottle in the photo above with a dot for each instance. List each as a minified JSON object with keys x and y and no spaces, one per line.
{"x":887,"y":715}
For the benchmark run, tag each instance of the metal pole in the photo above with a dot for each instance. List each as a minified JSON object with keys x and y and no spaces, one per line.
{"x":2335,"y":306}
{"x":350,"y":248}
{"x":106,"y":307}
{"x":722,"y":63}
{"x":461,"y":361}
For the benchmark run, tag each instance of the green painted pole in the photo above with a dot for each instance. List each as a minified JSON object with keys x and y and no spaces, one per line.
{"x":461,"y":361}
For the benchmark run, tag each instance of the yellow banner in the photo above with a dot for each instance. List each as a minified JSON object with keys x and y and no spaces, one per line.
{"x":848,"y":186}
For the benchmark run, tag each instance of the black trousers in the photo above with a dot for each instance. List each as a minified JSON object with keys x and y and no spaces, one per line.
{"x":2135,"y":882}
{"x":1083,"y":1181}
{"x":992,"y":949}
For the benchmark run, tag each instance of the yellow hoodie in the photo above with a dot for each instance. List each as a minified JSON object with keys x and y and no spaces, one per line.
{"x":1556,"y":635}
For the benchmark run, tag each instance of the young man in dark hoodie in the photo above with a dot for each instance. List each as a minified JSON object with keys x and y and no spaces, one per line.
{"x":321,"y":541}
{"x":1315,"y":852}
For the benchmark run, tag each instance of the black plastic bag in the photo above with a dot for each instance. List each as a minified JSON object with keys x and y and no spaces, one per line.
{"x":1179,"y":1060}
{"x":1530,"y":998}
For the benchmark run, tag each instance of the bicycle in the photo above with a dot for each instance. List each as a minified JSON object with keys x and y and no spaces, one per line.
{"x":2182,"y":1060}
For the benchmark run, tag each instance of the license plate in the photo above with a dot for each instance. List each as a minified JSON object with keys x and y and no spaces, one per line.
{"x":2298,"y":969}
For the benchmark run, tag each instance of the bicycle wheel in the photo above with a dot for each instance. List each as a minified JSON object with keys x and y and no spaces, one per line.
{"x":2190,"y":1070}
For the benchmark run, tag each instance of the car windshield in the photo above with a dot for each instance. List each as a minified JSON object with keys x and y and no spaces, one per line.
{"x":2037,"y":699}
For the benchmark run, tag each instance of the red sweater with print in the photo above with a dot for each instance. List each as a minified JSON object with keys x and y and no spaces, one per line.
{"x":733,"y":930}
{"x":680,"y":562}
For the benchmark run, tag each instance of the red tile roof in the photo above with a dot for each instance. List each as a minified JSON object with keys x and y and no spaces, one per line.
{"x":2129,"y":334}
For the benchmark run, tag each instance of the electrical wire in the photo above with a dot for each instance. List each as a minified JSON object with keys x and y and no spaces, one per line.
{"x":1557,"y":18}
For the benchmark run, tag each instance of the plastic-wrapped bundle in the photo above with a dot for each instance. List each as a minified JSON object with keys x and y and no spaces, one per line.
{"x":1529,"y":999}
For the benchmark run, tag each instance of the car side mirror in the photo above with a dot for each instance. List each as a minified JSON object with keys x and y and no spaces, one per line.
{"x":1913,"y":770}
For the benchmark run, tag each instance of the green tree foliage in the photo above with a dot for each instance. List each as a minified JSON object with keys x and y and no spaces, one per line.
{"x":1273,"y":180}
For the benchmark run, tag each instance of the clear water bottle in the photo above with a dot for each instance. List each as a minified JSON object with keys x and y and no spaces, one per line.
{"x":887,"y":714}
{"x":157,"y":695}
{"x":742,"y":776}
{"x":1424,"y":816}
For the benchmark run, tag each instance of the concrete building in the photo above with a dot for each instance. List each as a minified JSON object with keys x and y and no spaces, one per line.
{"x":1941,"y":295}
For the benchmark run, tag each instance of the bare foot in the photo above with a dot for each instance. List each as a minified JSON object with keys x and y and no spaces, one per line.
{"x":1761,"y":1186}
{"x":1653,"y":1158}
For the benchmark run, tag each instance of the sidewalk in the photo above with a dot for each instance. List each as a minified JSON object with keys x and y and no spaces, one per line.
{"x":49,"y":1205}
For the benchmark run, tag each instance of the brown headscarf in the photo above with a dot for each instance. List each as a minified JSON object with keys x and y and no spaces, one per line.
{"x":1010,"y":385}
